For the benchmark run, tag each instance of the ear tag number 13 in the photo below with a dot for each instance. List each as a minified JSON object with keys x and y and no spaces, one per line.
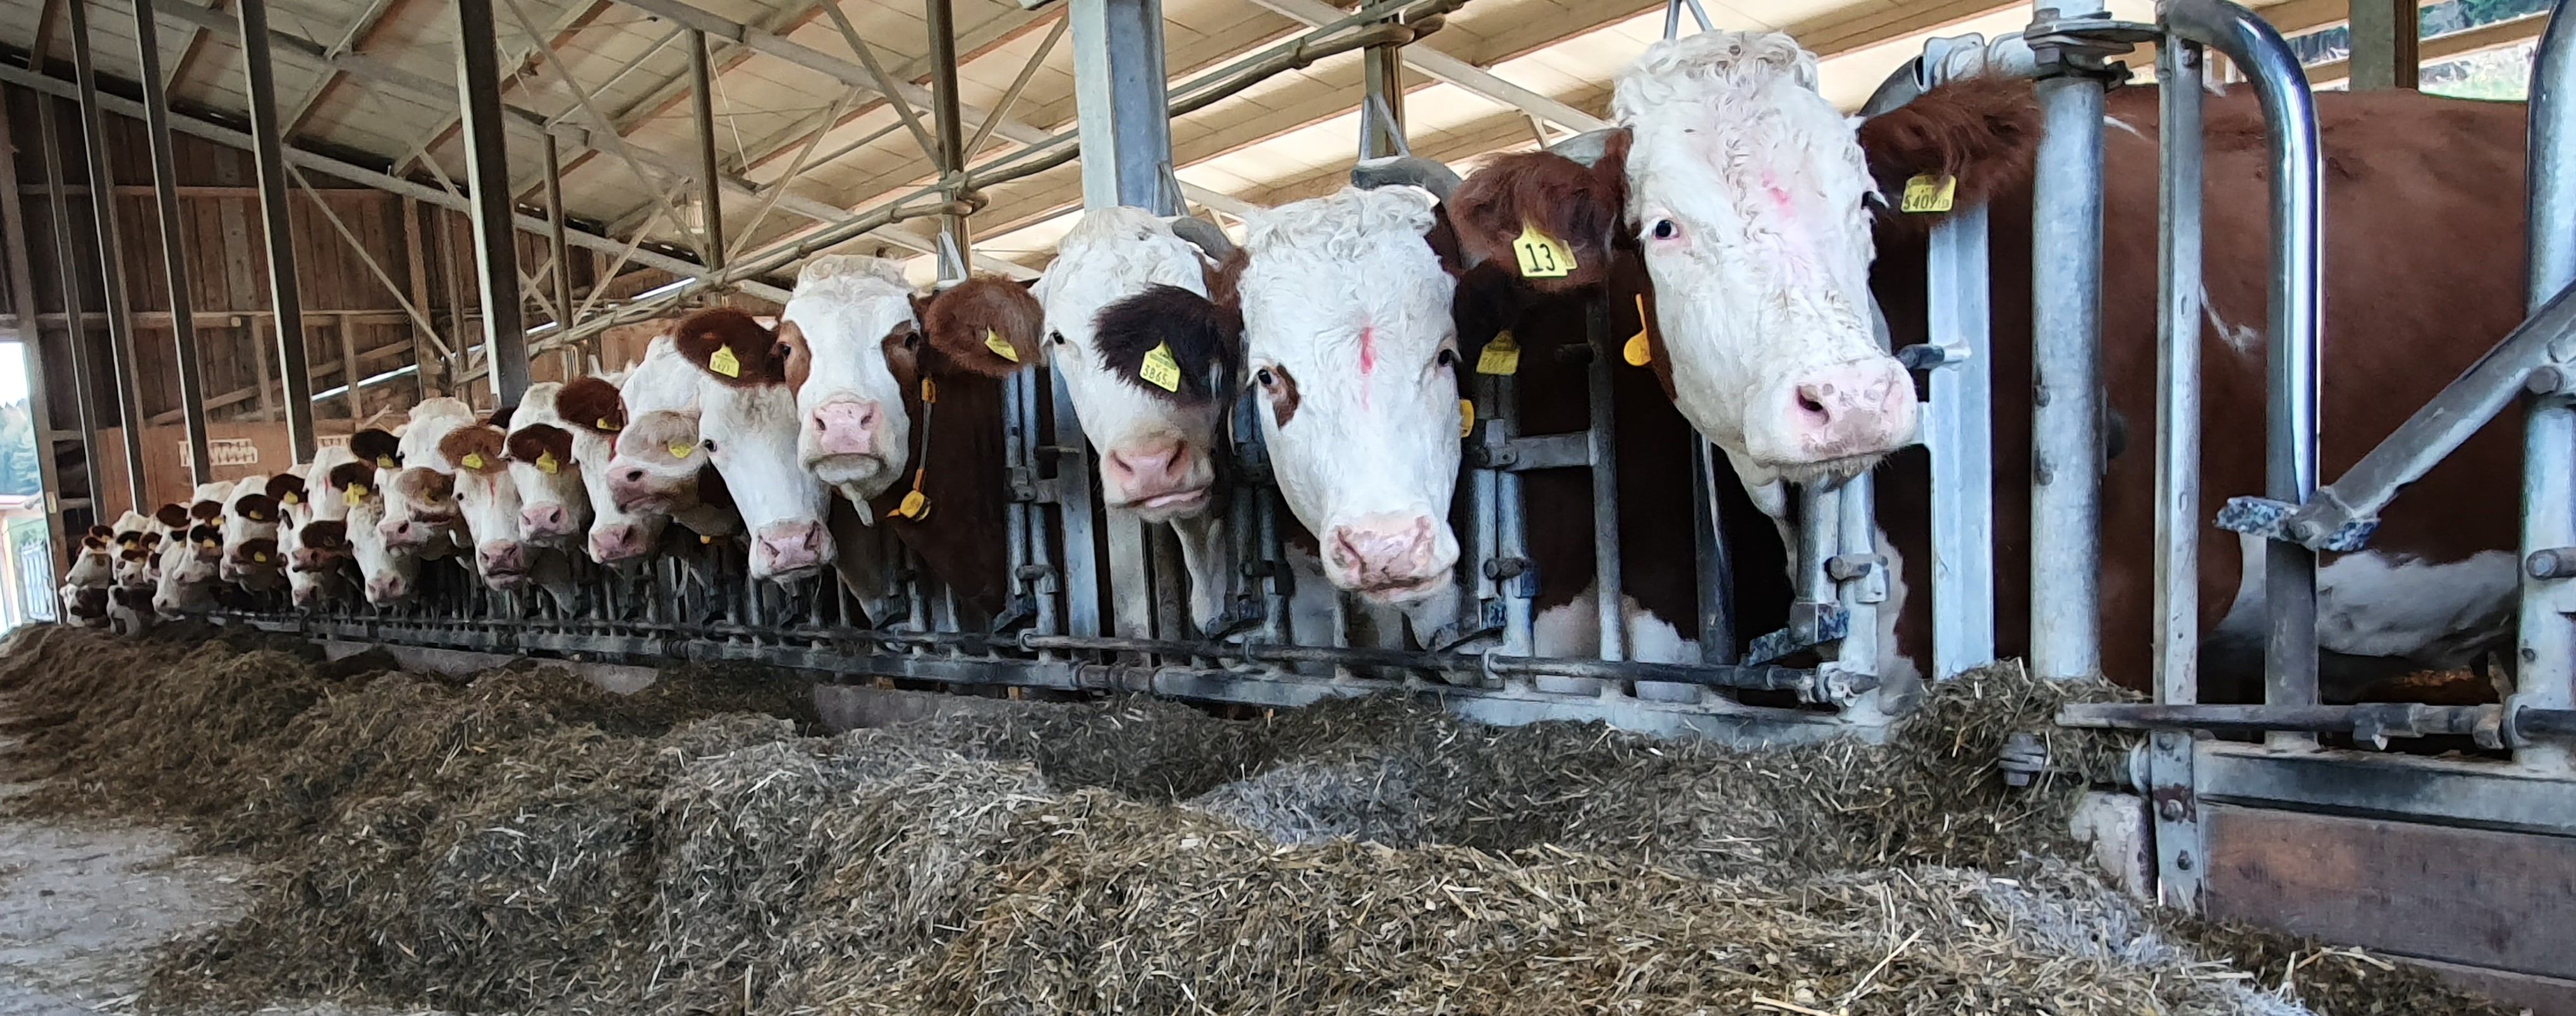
{"x":1542,"y":256}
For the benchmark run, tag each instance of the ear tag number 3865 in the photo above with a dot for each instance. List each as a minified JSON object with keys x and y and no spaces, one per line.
{"x":1160,"y":369}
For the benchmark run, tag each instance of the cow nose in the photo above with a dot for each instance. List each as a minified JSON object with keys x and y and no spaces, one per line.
{"x":630,"y":486}
{"x":306,"y":596}
{"x":502,"y":558}
{"x":545,"y":520}
{"x":786,"y":549}
{"x":1148,"y":469}
{"x":387,"y":588}
{"x":846,"y":428}
{"x":1390,"y":557}
{"x":1861,"y":408}
{"x":617,"y":542}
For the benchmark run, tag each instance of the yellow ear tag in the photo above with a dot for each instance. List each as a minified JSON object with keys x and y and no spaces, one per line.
{"x":1638,"y":350}
{"x":1466,"y":417}
{"x":1541,"y":256}
{"x":473,"y":460}
{"x":993,"y":341}
{"x":929,"y":391}
{"x":259,"y":558}
{"x":1929,"y":193}
{"x":915,"y":506}
{"x":210,"y":544}
{"x":1502,"y":356}
{"x":1160,"y":369}
{"x":354,"y":496}
{"x":705,"y":539}
{"x":290,"y":498}
{"x":546,"y":463}
{"x":724,"y":362}
{"x":128,"y":544}
{"x":681,"y":451}
{"x":605,"y":425}
{"x":384,"y":462}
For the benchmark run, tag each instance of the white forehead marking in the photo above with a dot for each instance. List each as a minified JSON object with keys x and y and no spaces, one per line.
{"x":1324,"y":269}
{"x":1110,"y":254}
{"x":865,"y":294}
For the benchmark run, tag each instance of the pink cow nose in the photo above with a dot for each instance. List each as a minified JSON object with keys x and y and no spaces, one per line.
{"x":402,"y":533}
{"x":502,"y":558}
{"x":787,"y":550}
{"x":1861,"y":408}
{"x":609,"y":544}
{"x":846,"y":428}
{"x":1143,"y":471}
{"x":545,"y":521}
{"x":387,"y":588}
{"x":631,"y":486}
{"x":1390,"y":556}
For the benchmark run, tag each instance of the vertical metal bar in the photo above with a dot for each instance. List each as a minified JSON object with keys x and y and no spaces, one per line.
{"x":1382,"y":77}
{"x":951,"y":127}
{"x":1819,"y":535}
{"x":1716,"y":567}
{"x":1960,"y":434}
{"x":487,"y":171}
{"x":31,"y":332}
{"x":2546,"y":677}
{"x":2176,"y":810}
{"x":174,"y":259}
{"x":702,"y":105}
{"x":2066,"y":333}
{"x":1603,"y":443}
{"x":111,"y":259}
{"x":2297,"y":295}
{"x":268,"y":153}
{"x":1856,"y":519}
{"x":555,"y":230}
{"x":1124,"y":116}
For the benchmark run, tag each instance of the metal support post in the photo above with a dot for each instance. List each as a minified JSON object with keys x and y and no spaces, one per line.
{"x":2171,"y":790}
{"x":2066,"y":369}
{"x":2385,"y":40}
{"x":1124,"y":118}
{"x":1958,"y":429}
{"x":487,"y":171}
{"x":75,"y":322}
{"x":174,"y":258}
{"x":120,"y":322}
{"x":1382,"y":127}
{"x":555,"y":221}
{"x":2297,"y":299}
{"x":31,"y":344}
{"x":1603,"y":442}
{"x":1860,"y":574}
{"x":702,"y":105}
{"x":269,"y":153}
{"x":955,"y":255}
{"x":1716,"y":568}
{"x":2546,"y":676}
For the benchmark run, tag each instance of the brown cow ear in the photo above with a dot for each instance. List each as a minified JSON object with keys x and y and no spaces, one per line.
{"x":1540,"y":200}
{"x":1981,"y":132}
{"x":988,"y":324}
{"x":729,"y":346}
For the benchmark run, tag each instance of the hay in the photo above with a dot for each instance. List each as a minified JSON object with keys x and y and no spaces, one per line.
{"x":521,"y":841}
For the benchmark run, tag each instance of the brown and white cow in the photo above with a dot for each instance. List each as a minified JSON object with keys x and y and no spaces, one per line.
{"x":1744,"y":193}
{"x":86,"y":582}
{"x":657,"y":472}
{"x":419,"y":482}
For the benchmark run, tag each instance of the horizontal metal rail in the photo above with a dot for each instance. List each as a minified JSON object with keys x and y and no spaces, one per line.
{"x":2494,"y":726}
{"x":1716,"y":676}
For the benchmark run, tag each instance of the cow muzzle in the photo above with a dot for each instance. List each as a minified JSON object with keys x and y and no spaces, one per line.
{"x":388,"y":588}
{"x":787,"y":551}
{"x":504,"y":563}
{"x":845,"y":427}
{"x":640,"y":488}
{"x":1841,"y":418}
{"x":1159,"y":480}
{"x":545,"y":522}
{"x":618,"y":542}
{"x":1391,"y":558}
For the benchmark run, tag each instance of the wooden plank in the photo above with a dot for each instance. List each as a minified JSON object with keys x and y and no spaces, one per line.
{"x":259,"y":355}
{"x":2543,"y":996}
{"x":2467,"y":896}
{"x":420,"y":341}
{"x":349,"y":374}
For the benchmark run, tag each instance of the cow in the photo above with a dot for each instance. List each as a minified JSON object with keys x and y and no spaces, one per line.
{"x":1737,"y":185}
{"x":250,"y":547}
{"x":488,"y":502}
{"x":657,"y":469}
{"x":554,"y":506}
{"x":1115,"y":275}
{"x":86,"y":582}
{"x":386,"y":576}
{"x":875,"y":368}
{"x":419,"y":483}
{"x":593,"y":414}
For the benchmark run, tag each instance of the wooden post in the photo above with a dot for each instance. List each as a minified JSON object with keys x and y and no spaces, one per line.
{"x":422,"y":352}
{"x":259,"y":352}
{"x":349,"y":375}
{"x":22,"y":299}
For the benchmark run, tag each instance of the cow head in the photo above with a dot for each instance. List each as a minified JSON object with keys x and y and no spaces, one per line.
{"x":1351,"y":356}
{"x":489,"y":503}
{"x":419,"y":489}
{"x":1743,"y":190}
{"x":94,"y":564}
{"x":554,"y":507}
{"x":389,"y":577}
{"x":320,"y":546}
{"x":847,"y":313}
{"x":1125,"y":287}
{"x":188,"y":571}
{"x":252,"y":518}
{"x":594,"y":415}
{"x":748,"y":430}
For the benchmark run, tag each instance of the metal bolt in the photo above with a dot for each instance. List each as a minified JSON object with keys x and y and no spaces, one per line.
{"x":2305,"y":531}
{"x":2170,"y":808}
{"x":2552,"y":563}
{"x":2183,"y":860}
{"x":2169,"y":740}
{"x":2545,"y":381}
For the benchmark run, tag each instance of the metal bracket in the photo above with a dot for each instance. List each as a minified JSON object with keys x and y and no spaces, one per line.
{"x":1552,"y":451}
{"x":2023,"y":758}
{"x":2323,"y":524}
{"x":2084,"y":44}
{"x":1810,"y":625}
{"x":1928,"y":356}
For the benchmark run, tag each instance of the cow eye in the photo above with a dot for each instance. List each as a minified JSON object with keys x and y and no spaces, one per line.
{"x":1666,"y":229}
{"x":1266,"y":378}
{"x":1448,"y":358}
{"x":1056,"y":337}
{"x":707,"y":445}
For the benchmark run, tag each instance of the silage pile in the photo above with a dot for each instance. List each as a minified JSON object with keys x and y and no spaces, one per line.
{"x":522,"y":842}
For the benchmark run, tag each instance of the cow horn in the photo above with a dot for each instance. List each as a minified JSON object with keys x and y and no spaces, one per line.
{"x":1587,"y":147}
{"x":1205,"y":236}
{"x":1429,"y":174}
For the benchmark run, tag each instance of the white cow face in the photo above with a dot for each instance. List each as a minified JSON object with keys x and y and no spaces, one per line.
{"x":1157,"y":443}
{"x":1352,"y":356}
{"x":554,"y":504}
{"x":489,"y":503}
{"x":594,"y":415}
{"x":851,"y":429}
{"x":1746,"y":189}
{"x":188,"y":576}
{"x":748,"y":429}
{"x":94,"y":565}
{"x":390,"y":577}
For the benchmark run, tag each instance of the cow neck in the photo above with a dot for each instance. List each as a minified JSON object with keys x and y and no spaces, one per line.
{"x":959,"y":539}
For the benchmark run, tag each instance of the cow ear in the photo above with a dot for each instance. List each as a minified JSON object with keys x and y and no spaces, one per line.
{"x":1980,"y":133}
{"x":1169,"y":342}
{"x":729,"y":346}
{"x":1542,"y":198}
{"x":988,"y":325}
{"x":592,"y":404}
